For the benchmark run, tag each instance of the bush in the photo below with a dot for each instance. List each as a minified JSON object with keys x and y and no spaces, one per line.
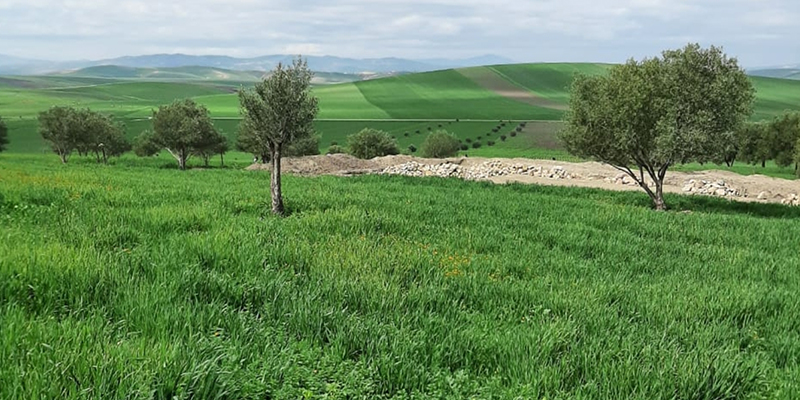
{"x":479,"y":138}
{"x":440,"y":125}
{"x":503,"y":137}
{"x":429,"y":128}
{"x":440,"y":144}
{"x":308,"y":146}
{"x":519,"y":129}
{"x":418,"y":131}
{"x":513,"y":133}
{"x":412,"y":148}
{"x":405,"y":134}
{"x":469,"y":140}
{"x":336,"y":149}
{"x":371,"y":143}
{"x":476,"y":145}
{"x":490,"y":143}
{"x":494,"y":130}
{"x":464,"y":147}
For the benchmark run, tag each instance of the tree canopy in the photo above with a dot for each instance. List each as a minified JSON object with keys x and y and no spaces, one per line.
{"x":184,"y":128}
{"x":68,"y":129}
{"x":645,"y":116}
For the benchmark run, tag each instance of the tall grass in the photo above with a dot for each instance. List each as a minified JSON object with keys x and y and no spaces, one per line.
{"x":136,"y":282}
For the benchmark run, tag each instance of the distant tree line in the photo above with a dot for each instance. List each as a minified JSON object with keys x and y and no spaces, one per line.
{"x":3,"y":135}
{"x":758,"y":142}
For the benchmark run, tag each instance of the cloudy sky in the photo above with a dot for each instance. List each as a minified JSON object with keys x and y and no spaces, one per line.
{"x":758,"y":32}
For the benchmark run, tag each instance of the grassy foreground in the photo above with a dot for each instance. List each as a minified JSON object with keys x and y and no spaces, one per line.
{"x":137,"y":282}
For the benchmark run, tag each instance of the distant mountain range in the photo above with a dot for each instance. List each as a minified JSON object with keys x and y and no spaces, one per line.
{"x":784,"y":72}
{"x":18,"y":66}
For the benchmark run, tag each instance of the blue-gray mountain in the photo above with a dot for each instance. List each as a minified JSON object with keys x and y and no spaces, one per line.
{"x":16,"y":66}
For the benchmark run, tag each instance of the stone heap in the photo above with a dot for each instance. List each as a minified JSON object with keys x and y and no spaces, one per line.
{"x":485,"y":170}
{"x":717,"y":188}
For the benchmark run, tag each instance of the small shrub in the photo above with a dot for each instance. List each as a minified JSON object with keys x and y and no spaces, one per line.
{"x":479,"y":138}
{"x":495,"y":130}
{"x":440,"y":125}
{"x":523,"y":124}
{"x":519,"y":129}
{"x":503,"y":137}
{"x":469,"y":140}
{"x":458,"y":120}
{"x":336,"y":149}
{"x":308,"y":146}
{"x":503,"y":124}
{"x":476,"y":145}
{"x":405,"y":134}
{"x":464,"y":147}
{"x":513,"y":134}
{"x":440,"y":144}
{"x":490,"y":143}
{"x":429,"y":128}
{"x":412,"y":148}
{"x":371,"y":143}
{"x":418,"y":131}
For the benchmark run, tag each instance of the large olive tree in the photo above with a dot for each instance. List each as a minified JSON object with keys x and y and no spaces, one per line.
{"x":643,"y":117}
{"x":278,"y":111}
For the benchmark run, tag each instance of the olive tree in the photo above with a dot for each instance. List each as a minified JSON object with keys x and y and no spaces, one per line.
{"x":58,"y":126}
{"x":277,"y":112}
{"x":3,"y":135}
{"x":183,"y":128}
{"x":643,"y":117}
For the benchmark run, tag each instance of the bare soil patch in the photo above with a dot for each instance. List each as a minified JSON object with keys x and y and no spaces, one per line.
{"x":547,"y":172}
{"x":489,"y":80}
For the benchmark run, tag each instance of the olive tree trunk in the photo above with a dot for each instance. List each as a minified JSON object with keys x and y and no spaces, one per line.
{"x":275,"y":180}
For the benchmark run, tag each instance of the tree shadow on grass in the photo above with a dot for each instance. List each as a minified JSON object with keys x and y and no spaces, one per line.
{"x":675,"y":202}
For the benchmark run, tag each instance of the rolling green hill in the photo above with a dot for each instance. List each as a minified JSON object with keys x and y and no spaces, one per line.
{"x":479,"y":97}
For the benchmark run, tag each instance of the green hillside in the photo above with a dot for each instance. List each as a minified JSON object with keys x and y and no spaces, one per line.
{"x":478,"y":97}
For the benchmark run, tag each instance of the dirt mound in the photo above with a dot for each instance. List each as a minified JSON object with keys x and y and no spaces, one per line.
{"x":547,"y":172}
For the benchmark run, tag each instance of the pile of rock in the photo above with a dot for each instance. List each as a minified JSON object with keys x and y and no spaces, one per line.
{"x":485,"y":170}
{"x":717,"y":188}
{"x":414,"y":168}
{"x":791,"y":200}
{"x":625,"y":179}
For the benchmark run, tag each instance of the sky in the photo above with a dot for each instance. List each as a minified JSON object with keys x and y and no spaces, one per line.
{"x":757,"y":32}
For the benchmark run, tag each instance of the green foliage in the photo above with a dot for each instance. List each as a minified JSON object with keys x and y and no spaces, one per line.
{"x":783,"y":133}
{"x":59,"y":127}
{"x":412,"y":148}
{"x":144,"y":145}
{"x":440,"y":144}
{"x":184,"y":128}
{"x":656,"y":113}
{"x":3,"y":135}
{"x":476,"y":145}
{"x":754,"y":144}
{"x":370,"y":143}
{"x":464,"y":147}
{"x":68,"y":129}
{"x":143,"y":283}
{"x":306,"y":146}
{"x":336,"y":149}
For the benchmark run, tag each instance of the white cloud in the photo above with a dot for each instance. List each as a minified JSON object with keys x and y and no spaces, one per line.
{"x":542,"y":30}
